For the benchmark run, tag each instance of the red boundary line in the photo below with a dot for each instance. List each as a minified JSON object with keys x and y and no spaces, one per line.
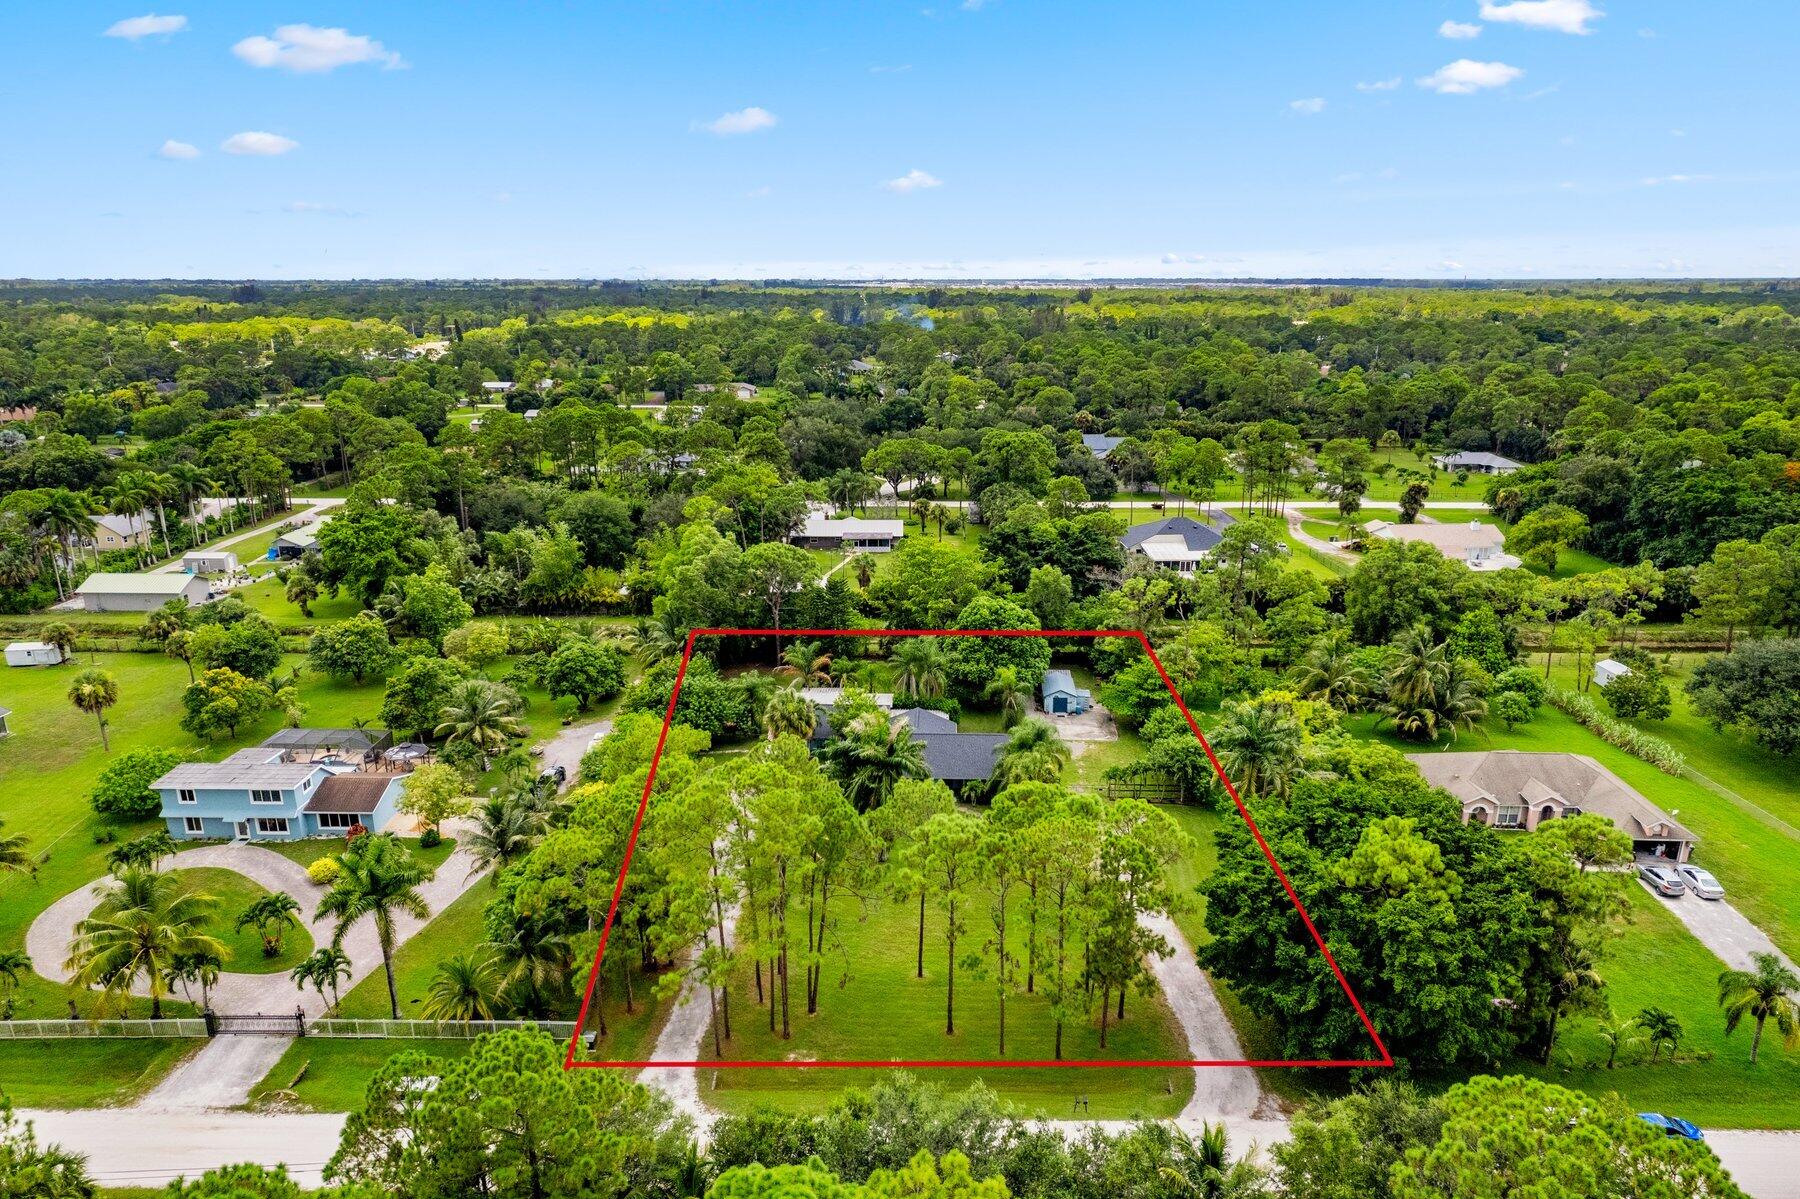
{"x":637,"y":825}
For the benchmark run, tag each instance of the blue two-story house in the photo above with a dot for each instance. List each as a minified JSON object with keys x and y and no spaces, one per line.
{"x":259,"y":794}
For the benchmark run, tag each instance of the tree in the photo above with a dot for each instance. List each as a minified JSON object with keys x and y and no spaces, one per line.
{"x":1009,"y":694}
{"x":1765,"y":993}
{"x":953,"y":863}
{"x":1049,"y":594}
{"x":465,"y":987}
{"x":973,"y":662}
{"x":180,"y":646}
{"x":94,"y":691}
{"x":1399,"y":584}
{"x":1347,"y":1148}
{"x":221,"y":701}
{"x":1661,"y":1029}
{"x":1344,"y":464}
{"x":871,"y":758}
{"x":1033,"y":754}
{"x":919,"y":665}
{"x":271,"y":916}
{"x":788,"y":713}
{"x":29,"y":1170}
{"x":61,"y":634}
{"x":1515,"y":1136}
{"x":1511,"y":708}
{"x":585,"y":670}
{"x":418,"y":693}
{"x":506,"y":829}
{"x":379,"y":878}
{"x":1732,"y":588}
{"x":144,"y":923}
{"x":141,"y":852}
{"x":478,"y":645}
{"x":258,"y":1182}
{"x":250,"y":646}
{"x":1545,"y":533}
{"x":1262,"y":748}
{"x":326,"y":968}
{"x":1755,"y":690}
{"x":1642,"y":694}
{"x":123,"y":788}
{"x":357,"y":648}
{"x":430,"y":605}
{"x":301,"y":590}
{"x":1332,"y":673}
{"x":774,"y":571}
{"x":1412,"y":501}
{"x":482,"y":714}
{"x":434,"y":793}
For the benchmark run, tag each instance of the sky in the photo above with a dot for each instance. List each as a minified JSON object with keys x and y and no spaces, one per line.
{"x":869,"y":139}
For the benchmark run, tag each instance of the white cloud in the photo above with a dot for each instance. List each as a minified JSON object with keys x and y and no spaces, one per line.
{"x":897,"y":69}
{"x":308,"y":208}
{"x":258,"y":143}
{"x":913,"y":181}
{"x":1563,"y":16}
{"x":308,"y":49}
{"x":177,"y":150}
{"x":1466,"y":75}
{"x":974,"y":5}
{"x":1379,"y":85}
{"x":1459,"y":30}
{"x":1659,"y":180}
{"x":745,"y":120}
{"x":1312,"y":106}
{"x":133,"y":28}
{"x":503,"y":197}
{"x":758,"y":193}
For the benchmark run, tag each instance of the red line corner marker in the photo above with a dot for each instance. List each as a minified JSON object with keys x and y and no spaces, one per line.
{"x":637,"y":824}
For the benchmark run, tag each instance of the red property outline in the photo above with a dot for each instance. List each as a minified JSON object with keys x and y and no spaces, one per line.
{"x":637,"y":825}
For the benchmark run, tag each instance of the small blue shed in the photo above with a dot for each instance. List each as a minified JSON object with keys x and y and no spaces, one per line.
{"x":1060,"y":695}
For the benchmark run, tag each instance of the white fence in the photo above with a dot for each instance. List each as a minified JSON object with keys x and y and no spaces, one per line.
{"x":22,"y":1030}
{"x":449,"y":1030}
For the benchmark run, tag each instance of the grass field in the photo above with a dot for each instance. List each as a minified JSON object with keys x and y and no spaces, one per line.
{"x":872,"y":1007}
{"x":235,"y":893}
{"x":337,"y":1070}
{"x":102,"y":1072}
{"x":456,"y":929}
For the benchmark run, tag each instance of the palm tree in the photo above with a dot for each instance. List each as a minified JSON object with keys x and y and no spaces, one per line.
{"x":61,"y":634}
{"x":1034,"y":754}
{"x":127,"y":498}
{"x":64,"y":517}
{"x":921,"y":663}
{"x":188,"y":482}
{"x":12,"y":853}
{"x":808,"y":662}
{"x":325,"y":968}
{"x":1617,"y":1034}
{"x":139,"y":930}
{"x":1762,"y":994}
{"x":466,"y":987}
{"x":379,"y":878}
{"x":94,"y":691}
{"x":660,"y":639}
{"x":537,"y":957}
{"x":863,"y":567}
{"x":302,"y":590}
{"x":1416,"y":668}
{"x":481,"y":713}
{"x":1201,"y":1166}
{"x":1262,"y":748}
{"x":271,"y":915}
{"x":1006,"y":687}
{"x":506,"y":829}
{"x":13,"y":963}
{"x":789,"y":712}
{"x":871,"y":758}
{"x":1331,"y":674}
{"x":180,"y":646}
{"x":1660,"y":1028}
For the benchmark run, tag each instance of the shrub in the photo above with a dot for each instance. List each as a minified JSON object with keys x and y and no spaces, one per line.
{"x":123,"y":789}
{"x":1522,"y":680}
{"x":324,"y":871}
{"x":1586,"y":713}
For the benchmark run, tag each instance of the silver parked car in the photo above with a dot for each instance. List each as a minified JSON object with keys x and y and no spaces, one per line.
{"x":1700,"y":882}
{"x":1663,"y":880}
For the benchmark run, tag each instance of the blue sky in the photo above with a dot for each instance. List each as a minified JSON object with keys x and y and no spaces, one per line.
{"x":868,"y":139}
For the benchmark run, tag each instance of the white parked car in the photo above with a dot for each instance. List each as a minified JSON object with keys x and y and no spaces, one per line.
{"x":1701,"y":883}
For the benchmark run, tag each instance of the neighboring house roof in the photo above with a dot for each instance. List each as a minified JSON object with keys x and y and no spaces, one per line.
{"x":353,"y":792}
{"x":1099,"y":444}
{"x":1478,"y":458}
{"x":859,"y":366}
{"x":1457,"y":540}
{"x":1198,"y":536}
{"x":231,"y":775}
{"x":304,"y":538}
{"x":123,"y":526}
{"x":826,"y":696}
{"x":165,"y":583}
{"x":961,"y":757}
{"x":1512,"y":775}
{"x":820,"y":523}
{"x":1061,"y":681}
{"x":922,"y":720}
{"x":494,"y":386}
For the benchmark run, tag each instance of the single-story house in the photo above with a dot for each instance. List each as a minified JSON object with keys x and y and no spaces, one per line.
{"x":1477,"y":462}
{"x":1607,"y":669}
{"x":1177,"y":542}
{"x":121,"y":532}
{"x":1100,"y":445}
{"x":140,"y":592}
{"x":33,"y":653}
{"x":951,"y":756}
{"x":293,"y":543}
{"x":1515,"y":789}
{"x":209,"y":562}
{"x":860,"y":367}
{"x":493,"y":388}
{"x":743,"y":391}
{"x":1061,"y":697}
{"x":268,"y":793}
{"x":1477,"y":545}
{"x":5,"y":722}
{"x":822,"y":531}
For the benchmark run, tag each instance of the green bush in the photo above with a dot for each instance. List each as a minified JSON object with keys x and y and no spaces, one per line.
{"x":324,"y":871}
{"x":123,"y":789}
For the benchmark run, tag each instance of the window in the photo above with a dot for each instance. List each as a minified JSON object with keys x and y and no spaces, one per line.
{"x":265,"y":797}
{"x":340,"y":820}
{"x":194,"y":825}
{"x":1511,"y":816}
{"x":272,"y":824}
{"x":185,"y":795}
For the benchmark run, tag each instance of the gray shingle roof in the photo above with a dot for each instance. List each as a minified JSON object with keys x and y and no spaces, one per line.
{"x":1198,"y":535}
{"x":1513,"y":775}
{"x":1099,"y":444}
{"x":961,"y":757}
{"x":1478,"y":458}
{"x":353,"y":792}
{"x":922,"y":720}
{"x":229,"y":775}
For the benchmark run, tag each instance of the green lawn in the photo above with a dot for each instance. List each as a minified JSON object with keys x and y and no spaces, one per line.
{"x":1087,"y":772}
{"x":456,"y":929}
{"x":101,"y":1072}
{"x":872,"y":1007}
{"x":269,"y":597}
{"x":234,"y":894}
{"x":337,"y":1070}
{"x":1656,"y":962}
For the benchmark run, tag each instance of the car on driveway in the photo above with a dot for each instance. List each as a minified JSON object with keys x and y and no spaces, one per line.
{"x":1672,"y":1126}
{"x":1700,"y":882}
{"x":1663,"y":880}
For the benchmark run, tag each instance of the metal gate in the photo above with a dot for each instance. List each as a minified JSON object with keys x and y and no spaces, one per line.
{"x":291,"y":1024}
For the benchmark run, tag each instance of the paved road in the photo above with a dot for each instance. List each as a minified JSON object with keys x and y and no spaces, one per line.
{"x":1722,"y":929}
{"x":311,"y":512}
{"x":569,"y":746}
